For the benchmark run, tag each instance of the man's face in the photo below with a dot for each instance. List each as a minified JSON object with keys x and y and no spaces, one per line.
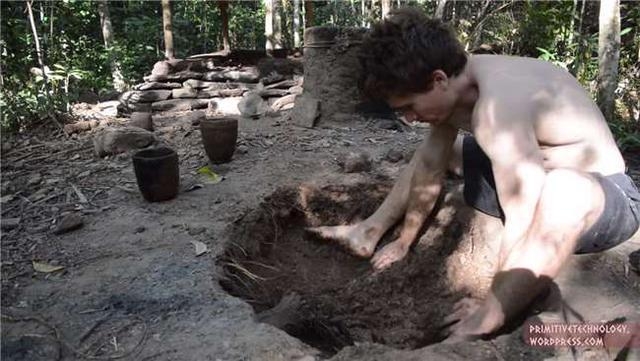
{"x":432,"y":106}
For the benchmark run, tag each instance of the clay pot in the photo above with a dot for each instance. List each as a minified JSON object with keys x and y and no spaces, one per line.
{"x":157,"y":173}
{"x":219,"y":137}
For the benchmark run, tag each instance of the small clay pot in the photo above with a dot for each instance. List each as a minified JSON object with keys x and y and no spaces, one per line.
{"x":219,"y":137}
{"x":157,"y":173}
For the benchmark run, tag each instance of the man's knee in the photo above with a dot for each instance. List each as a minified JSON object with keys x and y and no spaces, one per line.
{"x":570,"y":199}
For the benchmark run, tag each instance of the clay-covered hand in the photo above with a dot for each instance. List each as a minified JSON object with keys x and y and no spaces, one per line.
{"x":389,"y":254}
{"x":466,"y":322}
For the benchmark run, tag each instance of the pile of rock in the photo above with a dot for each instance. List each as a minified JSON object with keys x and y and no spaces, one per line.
{"x":179,"y":85}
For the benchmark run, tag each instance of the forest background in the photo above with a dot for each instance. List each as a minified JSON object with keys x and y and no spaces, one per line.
{"x":104,"y":47}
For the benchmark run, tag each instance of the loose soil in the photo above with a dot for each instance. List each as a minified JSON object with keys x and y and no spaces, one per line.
{"x":132,"y":286}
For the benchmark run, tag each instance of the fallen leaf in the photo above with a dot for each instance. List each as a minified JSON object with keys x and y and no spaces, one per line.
{"x":45,"y":268}
{"x":210,"y":176}
{"x":201,"y":248}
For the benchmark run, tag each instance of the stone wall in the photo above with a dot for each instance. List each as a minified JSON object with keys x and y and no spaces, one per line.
{"x":214,"y":82}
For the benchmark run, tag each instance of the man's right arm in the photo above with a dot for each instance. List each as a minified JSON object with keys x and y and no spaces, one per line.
{"x":426,"y":183}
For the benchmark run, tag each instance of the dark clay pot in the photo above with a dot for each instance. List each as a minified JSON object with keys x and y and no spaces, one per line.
{"x":219,"y":137}
{"x":157,"y":173}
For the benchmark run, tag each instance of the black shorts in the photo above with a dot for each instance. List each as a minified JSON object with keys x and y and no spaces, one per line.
{"x":620,"y":218}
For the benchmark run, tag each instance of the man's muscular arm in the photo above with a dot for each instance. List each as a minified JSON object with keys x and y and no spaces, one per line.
{"x":431,"y":159}
{"x":508,"y":138}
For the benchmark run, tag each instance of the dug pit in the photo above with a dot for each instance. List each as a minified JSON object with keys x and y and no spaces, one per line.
{"x":317,"y":292}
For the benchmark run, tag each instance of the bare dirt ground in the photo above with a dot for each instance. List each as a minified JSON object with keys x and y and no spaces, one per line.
{"x":129,"y":284}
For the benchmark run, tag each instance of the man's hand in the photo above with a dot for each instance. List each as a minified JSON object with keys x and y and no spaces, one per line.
{"x":389,"y":254}
{"x":471,"y":319}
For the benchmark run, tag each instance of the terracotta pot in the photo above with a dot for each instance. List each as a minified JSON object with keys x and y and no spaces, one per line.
{"x":157,"y":173}
{"x":219,"y":137}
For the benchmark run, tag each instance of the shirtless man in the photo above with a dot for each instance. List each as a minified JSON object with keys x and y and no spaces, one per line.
{"x":541,"y":158}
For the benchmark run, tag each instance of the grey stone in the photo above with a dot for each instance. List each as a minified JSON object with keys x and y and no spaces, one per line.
{"x":108,"y":109}
{"x":232,"y":92}
{"x":286,"y":102}
{"x":355,"y":162}
{"x":161,"y":68}
{"x":199,"y":84}
{"x":247,"y":75}
{"x":150,"y":96}
{"x":184,"y":93}
{"x":208,"y":93}
{"x":285,"y":84}
{"x":180,"y":104}
{"x":157,"y":85}
{"x":252,"y":105}
{"x":305,"y":111}
{"x":194,"y":117}
{"x":296,"y":90}
{"x":179,"y":76}
{"x":141,"y":120}
{"x":273,"y":77}
{"x":68,"y":223}
{"x":119,"y":140}
{"x":272,"y":93}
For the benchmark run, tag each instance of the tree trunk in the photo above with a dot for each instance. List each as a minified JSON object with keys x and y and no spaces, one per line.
{"x":40,"y":57}
{"x":440,"y":9}
{"x":224,"y":15}
{"x":168,"y":30}
{"x":296,"y":23}
{"x":386,"y":7}
{"x":107,"y":35}
{"x":363,"y":9}
{"x":268,"y":25}
{"x":608,"y":56}
{"x":309,"y":17}
{"x":39,"y":54}
{"x":277,"y":24}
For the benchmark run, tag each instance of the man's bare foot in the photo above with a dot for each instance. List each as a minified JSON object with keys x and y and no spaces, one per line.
{"x":389,"y":254}
{"x":357,"y":238}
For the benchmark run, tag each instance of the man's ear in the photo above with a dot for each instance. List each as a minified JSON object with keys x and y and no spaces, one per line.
{"x":439,"y":78}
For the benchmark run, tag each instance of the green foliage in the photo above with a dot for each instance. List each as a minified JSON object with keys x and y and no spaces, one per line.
{"x":75,"y":51}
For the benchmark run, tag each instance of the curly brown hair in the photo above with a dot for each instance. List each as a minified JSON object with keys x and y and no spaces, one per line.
{"x":400,"y":54}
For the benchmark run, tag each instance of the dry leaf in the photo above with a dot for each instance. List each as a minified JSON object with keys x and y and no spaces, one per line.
{"x":45,"y":268}
{"x":201,"y":248}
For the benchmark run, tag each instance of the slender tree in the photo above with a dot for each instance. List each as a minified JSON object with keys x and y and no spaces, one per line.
{"x":107,"y":35}
{"x":168,"y":30}
{"x":223,"y":6}
{"x":277,"y":24}
{"x":440,"y":9}
{"x":40,"y":57}
{"x":608,"y":56}
{"x":308,"y":13}
{"x":296,"y":23}
{"x":268,"y":26}
{"x":386,"y":7}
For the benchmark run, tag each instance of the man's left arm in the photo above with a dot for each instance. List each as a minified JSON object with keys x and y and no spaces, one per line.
{"x":510,"y":143}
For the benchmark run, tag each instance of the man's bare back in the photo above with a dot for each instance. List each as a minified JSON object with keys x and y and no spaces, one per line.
{"x":569,"y":128}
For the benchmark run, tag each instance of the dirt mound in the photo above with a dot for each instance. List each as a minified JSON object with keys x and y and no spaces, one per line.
{"x":317,"y":292}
